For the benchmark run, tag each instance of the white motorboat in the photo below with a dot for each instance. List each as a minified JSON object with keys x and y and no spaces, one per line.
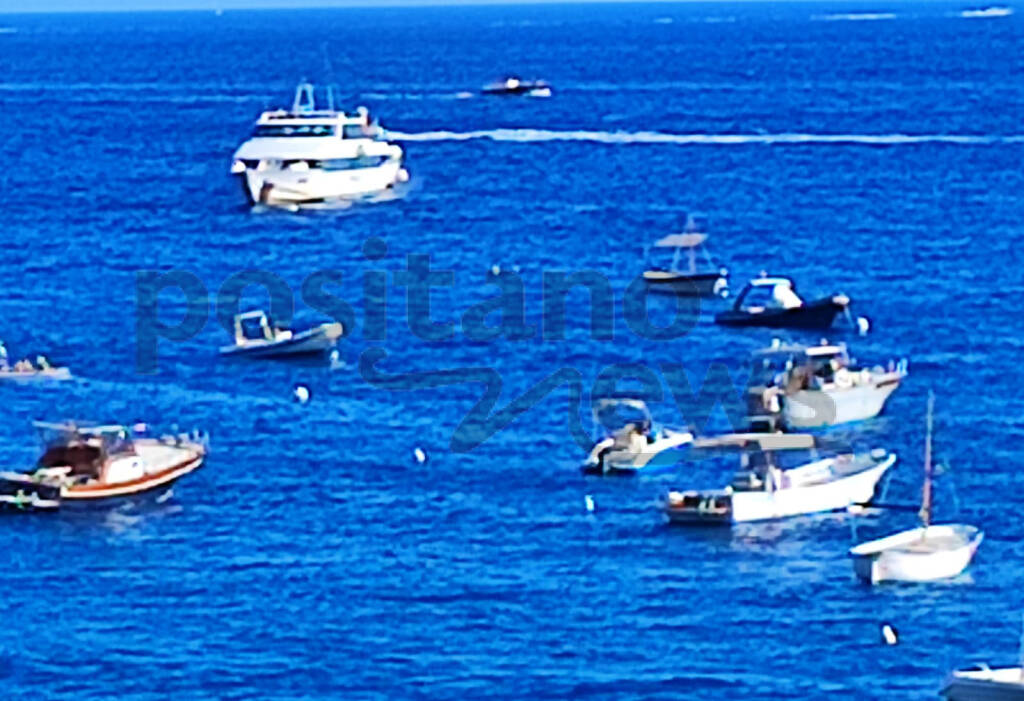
{"x":88,"y":464}
{"x":764,"y":489}
{"x":26,"y":370}
{"x":635,"y":443}
{"x":924,"y":554}
{"x":256,"y":335}
{"x":517,"y":87}
{"x":984,"y":683}
{"x":821,"y":386}
{"x":310,"y":156}
{"x":707,"y":280}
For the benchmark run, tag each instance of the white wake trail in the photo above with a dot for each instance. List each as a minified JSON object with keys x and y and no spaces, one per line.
{"x":652,"y":137}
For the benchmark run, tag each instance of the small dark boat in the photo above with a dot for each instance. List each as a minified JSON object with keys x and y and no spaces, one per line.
{"x":710,"y":280}
{"x":773,"y":302}
{"x":516,"y":87}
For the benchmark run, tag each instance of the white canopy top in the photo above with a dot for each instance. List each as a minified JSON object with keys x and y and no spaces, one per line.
{"x":681,"y":241}
{"x":766,"y":441}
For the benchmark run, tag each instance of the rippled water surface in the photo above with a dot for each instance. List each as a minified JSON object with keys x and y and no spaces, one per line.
{"x":876,"y":154}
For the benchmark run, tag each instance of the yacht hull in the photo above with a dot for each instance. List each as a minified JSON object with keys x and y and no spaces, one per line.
{"x":296,"y":188}
{"x":942,"y":553}
{"x":813,"y":315}
{"x":817,"y":408}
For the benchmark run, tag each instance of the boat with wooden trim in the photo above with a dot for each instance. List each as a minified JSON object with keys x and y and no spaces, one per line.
{"x":89,"y":464}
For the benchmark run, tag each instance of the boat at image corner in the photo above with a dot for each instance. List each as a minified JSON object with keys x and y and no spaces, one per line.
{"x":765,"y":489}
{"x":515,"y":87}
{"x":90,"y":464}
{"x":256,"y":335}
{"x":709,"y":280}
{"x":820,"y":385}
{"x":311,"y":156}
{"x":632,"y":442}
{"x":774,"y":302}
{"x":925,"y":554}
{"x":26,"y":370}
{"x":984,"y":683}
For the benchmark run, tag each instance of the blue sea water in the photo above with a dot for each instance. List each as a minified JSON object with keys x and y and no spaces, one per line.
{"x":313,"y":556}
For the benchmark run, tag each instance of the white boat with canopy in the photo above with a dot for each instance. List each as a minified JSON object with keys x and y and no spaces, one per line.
{"x":766,"y":488}
{"x":309,"y":156}
{"x":815,"y":386}
{"x":633,"y":441}
{"x":925,"y":554}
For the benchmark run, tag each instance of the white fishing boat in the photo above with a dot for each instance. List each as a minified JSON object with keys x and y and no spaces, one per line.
{"x":704,"y":279}
{"x":257,"y":336}
{"x":310,"y":156}
{"x":984,"y":683}
{"x":925,"y":554}
{"x":635,"y":443}
{"x":821,"y":386}
{"x":765,"y":489}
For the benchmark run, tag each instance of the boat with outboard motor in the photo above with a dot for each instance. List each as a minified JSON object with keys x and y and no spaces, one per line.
{"x":516,"y":87}
{"x":709,"y":280}
{"x":256,"y":335}
{"x":924,"y":554}
{"x":311,"y":156}
{"x":632,"y":442}
{"x":815,"y":386}
{"x":765,"y":488}
{"x":90,"y":463}
{"x":773,"y":302}
{"x":25,"y":370}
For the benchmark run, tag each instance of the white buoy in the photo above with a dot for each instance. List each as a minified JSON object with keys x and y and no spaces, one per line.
{"x":495,"y":270}
{"x":889,"y":635}
{"x":863,"y":325}
{"x":421,"y":457}
{"x":589,"y":501}
{"x":302,"y":393}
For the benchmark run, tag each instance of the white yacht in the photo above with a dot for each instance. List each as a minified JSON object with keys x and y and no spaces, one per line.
{"x":310,"y":156}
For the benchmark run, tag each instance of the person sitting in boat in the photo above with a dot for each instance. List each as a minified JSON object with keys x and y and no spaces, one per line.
{"x":786,"y":297}
{"x":24,"y":365}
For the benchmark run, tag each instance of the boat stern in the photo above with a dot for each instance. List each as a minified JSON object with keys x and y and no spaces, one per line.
{"x":698,"y":508}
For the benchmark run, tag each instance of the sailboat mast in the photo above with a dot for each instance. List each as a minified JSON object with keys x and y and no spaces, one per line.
{"x":926,"y":489}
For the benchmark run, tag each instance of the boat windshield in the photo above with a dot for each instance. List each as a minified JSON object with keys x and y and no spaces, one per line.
{"x":290,"y":130}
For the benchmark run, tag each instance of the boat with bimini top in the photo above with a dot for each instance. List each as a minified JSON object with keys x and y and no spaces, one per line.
{"x":705,"y":278}
{"x":772,"y":485}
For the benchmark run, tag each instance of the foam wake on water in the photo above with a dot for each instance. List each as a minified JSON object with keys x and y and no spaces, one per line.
{"x":854,"y":17}
{"x":652,"y":137}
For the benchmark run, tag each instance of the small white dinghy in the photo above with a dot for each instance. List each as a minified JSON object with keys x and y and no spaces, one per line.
{"x":924,"y":554}
{"x":26,"y":371}
{"x":637,"y":443}
{"x":257,"y":336}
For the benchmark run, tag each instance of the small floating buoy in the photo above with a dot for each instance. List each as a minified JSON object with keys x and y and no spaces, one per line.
{"x":863,"y":325}
{"x":495,"y":270}
{"x":589,"y":502}
{"x":889,"y":635}
{"x":302,"y":393}
{"x":421,"y":457}
{"x":139,"y":427}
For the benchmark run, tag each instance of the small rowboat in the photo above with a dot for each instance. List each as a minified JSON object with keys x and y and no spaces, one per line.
{"x":257,"y":336}
{"x":88,"y":464}
{"x":924,"y":554}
